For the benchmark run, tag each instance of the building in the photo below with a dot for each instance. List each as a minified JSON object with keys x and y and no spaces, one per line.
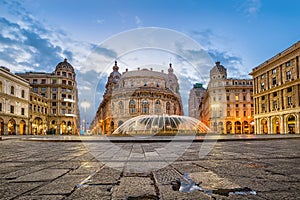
{"x":14,"y":101}
{"x":134,"y":93}
{"x":54,"y":100}
{"x":277,"y":93}
{"x":195,"y":97}
{"x":227,"y":106}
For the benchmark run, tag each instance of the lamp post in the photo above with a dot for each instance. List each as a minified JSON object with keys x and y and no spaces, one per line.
{"x":85,"y":105}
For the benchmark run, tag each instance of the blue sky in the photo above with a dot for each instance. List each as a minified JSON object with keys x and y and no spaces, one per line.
{"x":36,"y":35}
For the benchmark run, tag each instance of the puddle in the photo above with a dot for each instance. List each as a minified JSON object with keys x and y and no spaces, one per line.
{"x":186,"y":185}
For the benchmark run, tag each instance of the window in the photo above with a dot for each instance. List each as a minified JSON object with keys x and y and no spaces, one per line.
{"x":145,"y":83}
{"x":287,"y":64}
{"x":275,"y":105}
{"x":275,"y":94}
{"x":244,"y":98}
{"x":236,"y":97}
{"x":58,"y":73}
{"x":63,"y":111}
{"x":39,"y":108}
{"x":45,"y":110}
{"x":63,"y":96}
{"x":263,"y":98}
{"x":227,"y":90}
{"x":70,"y":83}
{"x":53,"y":111}
{"x":289,"y":89}
{"x":64,"y":82}
{"x":168,"y":107}
{"x":145,"y":107}
{"x":34,"y":108}
{"x":252,"y":105}
{"x":237,"y":113}
{"x":12,"y":109}
{"x":288,"y":75}
{"x":157,"y":107}
{"x":23,"y":94}
{"x":63,"y":89}
{"x":245,"y":113}
{"x":54,"y":81}
{"x":64,"y":74}
{"x":274,"y":81}
{"x":263,"y":107}
{"x":34,"y":81}
{"x":43,"y":81}
{"x":289,"y":100}
{"x":12,"y":90}
{"x":228,"y":113}
{"x":262,"y":85}
{"x":53,"y":103}
{"x":0,"y":107}
{"x":236,"y":105}
{"x":0,"y":86}
{"x":220,"y":98}
{"x":43,"y":89}
{"x":63,"y":103}
{"x":131,"y":106}
{"x":228,"y":105}
{"x":274,"y":71}
{"x":69,"y":75}
{"x":53,"y":96}
{"x":54,"y":89}
{"x":262,"y":76}
{"x":244,"y":105}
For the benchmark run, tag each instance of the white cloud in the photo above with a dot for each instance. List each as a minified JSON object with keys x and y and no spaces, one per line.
{"x":138,"y":21}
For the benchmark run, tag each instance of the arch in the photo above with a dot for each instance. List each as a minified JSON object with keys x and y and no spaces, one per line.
{"x":37,"y":126}
{"x":1,"y":126}
{"x":145,"y":107}
{"x":11,"y":127}
{"x":238,"y":127}
{"x":132,"y":106}
{"x":264,"y":126}
{"x":53,"y":128}
{"x":276,"y":125}
{"x":22,"y":127}
{"x":157,"y":107}
{"x":245,"y":127}
{"x":228,"y":127}
{"x":69,"y":127}
{"x":291,"y":124}
{"x":63,"y":127}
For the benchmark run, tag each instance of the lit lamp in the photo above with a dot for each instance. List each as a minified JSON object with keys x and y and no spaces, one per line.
{"x":85,"y":105}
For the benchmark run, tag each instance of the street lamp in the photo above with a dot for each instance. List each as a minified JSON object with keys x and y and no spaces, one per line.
{"x":85,"y":105}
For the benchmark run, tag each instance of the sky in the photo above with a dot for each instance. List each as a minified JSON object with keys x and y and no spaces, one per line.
{"x":91,"y":34}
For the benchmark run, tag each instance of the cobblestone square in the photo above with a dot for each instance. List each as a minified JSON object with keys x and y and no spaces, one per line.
{"x":68,"y":170}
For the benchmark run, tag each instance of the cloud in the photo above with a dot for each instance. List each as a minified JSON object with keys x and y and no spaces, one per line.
{"x":250,"y":8}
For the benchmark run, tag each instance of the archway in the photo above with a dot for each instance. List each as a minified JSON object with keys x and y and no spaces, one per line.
{"x":228,"y":127}
{"x":276,"y":125}
{"x":11,"y":127}
{"x":53,"y":128}
{"x":238,"y":127}
{"x":264,"y":125}
{"x":37,"y":126}
{"x":1,"y":126}
{"x":63,"y":127}
{"x":69,"y":127}
{"x":246,"y":127}
{"x":291,"y":123}
{"x":22,"y":127}
{"x":252,"y":127}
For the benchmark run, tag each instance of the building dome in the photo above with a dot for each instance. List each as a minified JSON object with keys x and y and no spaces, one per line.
{"x":218,"y":71}
{"x":64,"y":66}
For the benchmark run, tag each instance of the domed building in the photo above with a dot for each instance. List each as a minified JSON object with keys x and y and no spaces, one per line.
{"x":53,"y":104}
{"x":134,"y":93}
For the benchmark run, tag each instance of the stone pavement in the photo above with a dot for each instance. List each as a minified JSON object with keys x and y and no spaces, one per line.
{"x":78,"y":170}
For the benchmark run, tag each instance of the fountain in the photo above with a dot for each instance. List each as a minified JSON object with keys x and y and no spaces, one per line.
{"x":161,"y":125}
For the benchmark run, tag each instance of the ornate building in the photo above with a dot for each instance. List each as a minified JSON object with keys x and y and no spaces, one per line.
{"x":227,"y":106}
{"x":54,"y":107}
{"x":277,"y":93}
{"x":14,"y":100}
{"x":196,"y":95}
{"x":134,"y":93}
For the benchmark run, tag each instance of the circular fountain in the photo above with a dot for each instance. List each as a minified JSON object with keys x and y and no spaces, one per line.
{"x":161,"y":125}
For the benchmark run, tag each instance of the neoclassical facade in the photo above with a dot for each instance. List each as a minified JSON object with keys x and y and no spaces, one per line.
{"x":14,"y":100}
{"x":54,"y":101}
{"x":196,"y":95}
{"x":277,"y":93}
{"x":134,"y":93}
{"x":227,"y":106}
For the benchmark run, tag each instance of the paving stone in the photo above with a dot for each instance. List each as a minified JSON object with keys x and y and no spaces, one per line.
{"x":43,"y":175}
{"x":133,"y":187}
{"x":166,"y":176}
{"x":11,"y":190}
{"x":44,"y":197}
{"x":92,"y":192}
{"x":167,"y":193}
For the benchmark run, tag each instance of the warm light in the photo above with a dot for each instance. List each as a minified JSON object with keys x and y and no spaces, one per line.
{"x":85,"y":104}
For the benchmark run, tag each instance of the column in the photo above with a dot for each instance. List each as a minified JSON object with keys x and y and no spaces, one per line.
{"x":269,"y":123}
{"x":281,"y":124}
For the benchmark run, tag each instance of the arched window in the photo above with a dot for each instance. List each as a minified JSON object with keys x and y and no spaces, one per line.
{"x":168,"y":108}
{"x":131,"y":106}
{"x":12,"y":90}
{"x":157,"y":107}
{"x":145,"y":107}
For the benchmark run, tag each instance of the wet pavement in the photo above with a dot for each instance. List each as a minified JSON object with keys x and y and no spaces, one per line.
{"x":263,"y":168}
